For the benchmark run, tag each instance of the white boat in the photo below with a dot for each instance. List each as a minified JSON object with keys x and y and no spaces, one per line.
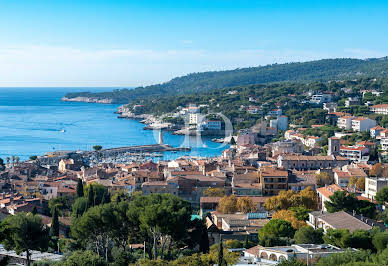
{"x":63,"y":131}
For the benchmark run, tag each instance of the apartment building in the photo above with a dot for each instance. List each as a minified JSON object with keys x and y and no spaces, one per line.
{"x":362,"y":124}
{"x":356,"y":154}
{"x":273,"y":180}
{"x":381,"y":109}
{"x":373,"y":185}
{"x":345,"y":122}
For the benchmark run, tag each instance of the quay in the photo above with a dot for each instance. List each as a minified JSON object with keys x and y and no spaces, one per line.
{"x":140,"y":149}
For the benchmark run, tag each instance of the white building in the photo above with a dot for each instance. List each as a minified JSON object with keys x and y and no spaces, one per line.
{"x":321,"y":98}
{"x":362,"y":124}
{"x":345,"y":122}
{"x":375,"y":131}
{"x":356,"y":154}
{"x":311,"y":141}
{"x":195,"y":119}
{"x":380,"y":109}
{"x":384,"y":144}
{"x":259,"y":255}
{"x":253,"y":110}
{"x":373,"y":185}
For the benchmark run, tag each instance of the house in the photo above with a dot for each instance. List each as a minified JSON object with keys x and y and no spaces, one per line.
{"x":280,"y":123}
{"x":259,"y":255}
{"x":253,"y":110}
{"x":381,"y":109}
{"x":345,"y":122}
{"x":311,"y":141}
{"x":374,"y":185}
{"x":321,"y":98}
{"x":384,"y":144}
{"x":159,"y":187}
{"x":330,"y":107}
{"x":275,"y":112}
{"x":324,"y":194}
{"x":299,"y":180}
{"x":352,"y":101}
{"x":341,"y":178}
{"x":355,"y":153}
{"x":286,"y":146}
{"x":375,"y":131}
{"x":273,"y":180}
{"x":362,"y":124}
{"x":341,"y":220}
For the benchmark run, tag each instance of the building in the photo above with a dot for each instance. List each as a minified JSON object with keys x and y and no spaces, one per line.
{"x":324,"y":194}
{"x":259,"y":255}
{"x":321,"y":98}
{"x":273,"y":180}
{"x":375,"y":131}
{"x":352,"y":101}
{"x":362,"y":124}
{"x":275,"y":112}
{"x":345,"y":122}
{"x":213,"y":125}
{"x":330,"y":107}
{"x":341,"y":178}
{"x":373,"y":185}
{"x":311,"y":141}
{"x":334,"y":145}
{"x":341,"y":220}
{"x":195,"y":118}
{"x":253,"y":110}
{"x":304,"y":162}
{"x":280,"y":123}
{"x":356,"y":154}
{"x":246,"y":137}
{"x":286,"y":146}
{"x":384,"y":144}
{"x":381,"y":109}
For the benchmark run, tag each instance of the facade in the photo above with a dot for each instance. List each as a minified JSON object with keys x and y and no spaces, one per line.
{"x":381,"y":109}
{"x":375,"y":131}
{"x":384,"y":144}
{"x":373,"y":185}
{"x":213,"y":125}
{"x":275,"y":112}
{"x":341,"y":220}
{"x":259,"y":255}
{"x":362,"y":124}
{"x":321,"y":98}
{"x":345,"y":122}
{"x":352,"y":101}
{"x":273,"y":180}
{"x":356,"y":154}
{"x":304,"y":162}
{"x":286,"y":146}
{"x":334,"y":145}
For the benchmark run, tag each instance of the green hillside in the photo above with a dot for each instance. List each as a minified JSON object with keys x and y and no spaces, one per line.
{"x":320,"y":70}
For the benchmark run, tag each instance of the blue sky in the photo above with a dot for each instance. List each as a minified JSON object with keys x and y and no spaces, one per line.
{"x":131,"y":43}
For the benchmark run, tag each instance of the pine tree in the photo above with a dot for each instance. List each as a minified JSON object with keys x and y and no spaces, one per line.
{"x":80,"y":189}
{"x":54,"y":230}
{"x":90,"y":196}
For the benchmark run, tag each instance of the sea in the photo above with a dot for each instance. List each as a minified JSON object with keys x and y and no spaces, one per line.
{"x":34,"y":121}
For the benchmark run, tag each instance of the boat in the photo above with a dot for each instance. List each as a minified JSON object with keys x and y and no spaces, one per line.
{"x":63,"y":131}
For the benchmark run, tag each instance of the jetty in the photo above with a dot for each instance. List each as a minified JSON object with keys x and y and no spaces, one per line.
{"x":140,"y":149}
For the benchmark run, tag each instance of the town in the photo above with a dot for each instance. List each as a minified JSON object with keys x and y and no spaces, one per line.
{"x":279,"y":192}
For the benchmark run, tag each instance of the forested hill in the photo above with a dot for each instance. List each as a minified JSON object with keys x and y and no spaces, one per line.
{"x":320,"y":70}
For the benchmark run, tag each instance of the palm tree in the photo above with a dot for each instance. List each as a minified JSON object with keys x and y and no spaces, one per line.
{"x":7,"y":159}
{"x":17,"y":159}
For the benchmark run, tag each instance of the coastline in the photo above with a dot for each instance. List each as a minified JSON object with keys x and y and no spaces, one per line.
{"x":87,"y":100}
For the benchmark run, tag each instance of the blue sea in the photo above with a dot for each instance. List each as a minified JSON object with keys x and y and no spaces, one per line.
{"x":34,"y":121}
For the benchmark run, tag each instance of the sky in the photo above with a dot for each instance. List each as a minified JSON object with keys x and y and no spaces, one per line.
{"x":135,"y":43}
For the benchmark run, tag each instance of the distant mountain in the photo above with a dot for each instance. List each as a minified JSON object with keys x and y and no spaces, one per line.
{"x":319,"y":70}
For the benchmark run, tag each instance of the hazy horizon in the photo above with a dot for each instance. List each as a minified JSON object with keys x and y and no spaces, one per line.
{"x":139,"y":43}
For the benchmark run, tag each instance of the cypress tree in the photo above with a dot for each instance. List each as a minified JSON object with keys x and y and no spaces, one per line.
{"x":246,"y":242}
{"x":90,"y":196}
{"x":204,"y":243}
{"x":54,"y":230}
{"x":80,"y":189}
{"x":34,"y":210}
{"x":221,"y":261}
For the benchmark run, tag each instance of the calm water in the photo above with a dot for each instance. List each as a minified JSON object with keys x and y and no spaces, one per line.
{"x":31,"y":121}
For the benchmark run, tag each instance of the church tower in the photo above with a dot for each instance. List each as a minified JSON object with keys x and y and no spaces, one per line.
{"x":333,"y":146}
